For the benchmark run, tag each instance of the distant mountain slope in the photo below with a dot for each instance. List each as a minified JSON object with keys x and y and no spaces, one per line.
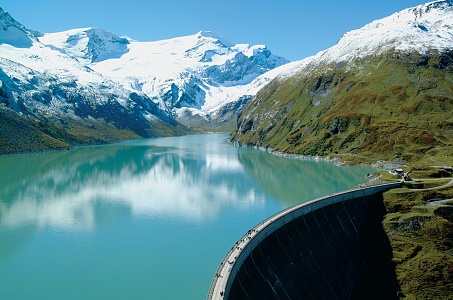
{"x":91,"y":86}
{"x":383,"y":91}
{"x":197,"y":73}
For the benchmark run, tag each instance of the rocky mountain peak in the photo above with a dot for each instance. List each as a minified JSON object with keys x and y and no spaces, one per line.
{"x":14,"y":33}
{"x":206,"y":35}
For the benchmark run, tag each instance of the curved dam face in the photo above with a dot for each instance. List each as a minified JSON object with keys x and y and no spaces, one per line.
{"x":329,"y":248}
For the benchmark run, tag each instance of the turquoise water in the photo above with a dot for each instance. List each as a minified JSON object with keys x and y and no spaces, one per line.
{"x":144,"y":219}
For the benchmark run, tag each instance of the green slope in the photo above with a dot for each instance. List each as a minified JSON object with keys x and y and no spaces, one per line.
{"x":21,"y":133}
{"x":397,"y":104}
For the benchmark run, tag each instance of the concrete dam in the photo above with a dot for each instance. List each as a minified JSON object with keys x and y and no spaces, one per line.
{"x":332,"y":247}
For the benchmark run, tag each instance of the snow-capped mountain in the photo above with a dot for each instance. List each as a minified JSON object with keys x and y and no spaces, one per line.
{"x":47,"y":87}
{"x":421,"y":28}
{"x":414,"y":29}
{"x":89,"y":74}
{"x":382,"y":89}
{"x":199,"y":72}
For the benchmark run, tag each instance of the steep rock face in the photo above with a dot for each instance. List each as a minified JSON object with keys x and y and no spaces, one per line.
{"x":384,"y":97}
{"x":241,"y":68}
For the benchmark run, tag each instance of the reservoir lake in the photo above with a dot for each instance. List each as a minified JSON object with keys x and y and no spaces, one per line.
{"x":142,"y":219}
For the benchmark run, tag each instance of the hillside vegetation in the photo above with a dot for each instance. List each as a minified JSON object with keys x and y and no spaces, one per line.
{"x":396,"y":104}
{"x":26,"y":133}
{"x":419,"y":226}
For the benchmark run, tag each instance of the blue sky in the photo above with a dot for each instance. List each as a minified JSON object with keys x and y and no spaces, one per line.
{"x":293,"y":29}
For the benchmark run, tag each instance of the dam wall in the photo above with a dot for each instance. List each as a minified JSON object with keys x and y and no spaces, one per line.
{"x":332,"y":247}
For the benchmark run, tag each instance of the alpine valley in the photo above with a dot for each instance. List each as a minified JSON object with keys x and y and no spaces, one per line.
{"x":384,"y":91}
{"x":89,"y":86}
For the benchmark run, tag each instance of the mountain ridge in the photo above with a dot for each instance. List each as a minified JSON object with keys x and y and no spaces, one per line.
{"x":345,"y":100}
{"x":417,"y":28}
{"x":165,"y":70}
{"x":57,"y":98}
{"x":14,"y":33}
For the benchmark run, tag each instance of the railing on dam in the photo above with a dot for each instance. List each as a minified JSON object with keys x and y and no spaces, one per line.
{"x":235,"y":258}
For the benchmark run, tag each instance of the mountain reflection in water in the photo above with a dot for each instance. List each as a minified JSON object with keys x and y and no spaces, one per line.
{"x":66,"y":189}
{"x":189,"y":181}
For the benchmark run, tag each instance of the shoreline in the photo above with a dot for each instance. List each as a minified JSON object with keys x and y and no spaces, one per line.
{"x":378,"y":164}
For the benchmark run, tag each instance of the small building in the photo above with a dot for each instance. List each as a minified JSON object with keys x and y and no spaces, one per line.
{"x":399,"y":171}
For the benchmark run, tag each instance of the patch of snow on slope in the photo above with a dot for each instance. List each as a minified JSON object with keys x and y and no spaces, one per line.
{"x":418,"y":28}
{"x":15,"y":37}
{"x":47,"y":61}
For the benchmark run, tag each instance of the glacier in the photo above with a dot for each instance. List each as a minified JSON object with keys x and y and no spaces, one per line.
{"x":198,"y":73}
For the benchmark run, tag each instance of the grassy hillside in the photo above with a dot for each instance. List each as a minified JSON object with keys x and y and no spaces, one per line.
{"x":19,"y":134}
{"x":24,"y":133}
{"x":380,"y":107}
{"x":419,"y":226}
